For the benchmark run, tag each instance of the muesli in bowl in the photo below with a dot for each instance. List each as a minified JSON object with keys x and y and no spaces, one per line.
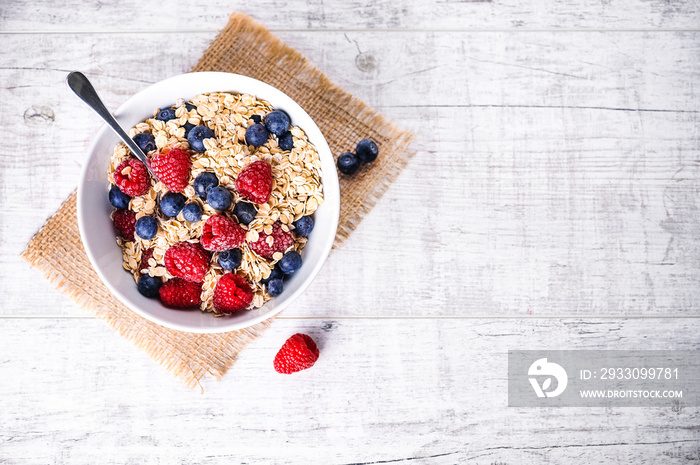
{"x":226,"y":223}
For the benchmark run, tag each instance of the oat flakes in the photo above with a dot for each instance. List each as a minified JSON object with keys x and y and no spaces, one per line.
{"x":297,"y":190}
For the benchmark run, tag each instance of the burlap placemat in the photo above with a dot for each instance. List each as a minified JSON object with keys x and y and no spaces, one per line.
{"x":243,"y":47}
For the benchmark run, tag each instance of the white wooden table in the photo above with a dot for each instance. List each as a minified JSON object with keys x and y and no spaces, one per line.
{"x":553,"y":204}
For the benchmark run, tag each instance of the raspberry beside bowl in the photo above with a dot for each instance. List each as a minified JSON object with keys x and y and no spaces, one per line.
{"x":96,"y":228}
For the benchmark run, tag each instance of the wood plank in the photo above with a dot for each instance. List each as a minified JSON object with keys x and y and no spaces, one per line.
{"x":135,"y":16}
{"x":616,"y":71}
{"x":432,"y":391}
{"x":533,"y":193}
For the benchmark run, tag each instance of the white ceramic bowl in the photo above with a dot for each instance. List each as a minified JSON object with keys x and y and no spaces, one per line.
{"x":94,"y":208}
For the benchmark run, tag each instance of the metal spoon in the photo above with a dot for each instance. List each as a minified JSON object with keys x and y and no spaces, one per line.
{"x":83,"y":89}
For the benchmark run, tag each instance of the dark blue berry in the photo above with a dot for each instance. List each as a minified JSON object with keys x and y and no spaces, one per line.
{"x":146,"y":227}
{"x":203,"y":182}
{"x":192,"y":212}
{"x":257,"y":119}
{"x":348,"y":163}
{"x":304,"y":225}
{"x":256,"y":135}
{"x":230,"y":259}
{"x":275,"y":287}
{"x":367,"y":151}
{"x":166,"y":115}
{"x":245,"y":212}
{"x":286,"y":141}
{"x":277,"y":122}
{"x":219,"y":198}
{"x":118,"y":199}
{"x":290,"y":262}
{"x":196,"y":137}
{"x":188,"y":126}
{"x":274,"y":274}
{"x":190,"y":107}
{"x":145,"y":141}
{"x":149,"y":285}
{"x":171,"y":203}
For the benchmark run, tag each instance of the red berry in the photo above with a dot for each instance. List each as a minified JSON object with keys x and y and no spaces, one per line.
{"x":232,"y":293}
{"x":298,"y":353}
{"x":187,"y":260}
{"x":125,"y":223}
{"x":221,"y":233}
{"x":172,"y":166}
{"x":132,"y":178}
{"x":145,"y":256}
{"x":178,"y":293}
{"x":255,"y":182}
{"x":282,"y":240}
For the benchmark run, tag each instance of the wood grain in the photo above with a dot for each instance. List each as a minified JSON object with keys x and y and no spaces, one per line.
{"x":544,"y":184}
{"x":557,"y":174}
{"x":133,"y":16}
{"x":429,"y":391}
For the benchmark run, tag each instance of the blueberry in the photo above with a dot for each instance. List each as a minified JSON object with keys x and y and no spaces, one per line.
{"x":219,"y":198}
{"x":196,"y":137}
{"x":145,"y":141}
{"x":274,"y":274}
{"x":277,"y":122}
{"x":304,"y":225}
{"x":367,"y":151}
{"x":171,"y":203}
{"x":290,"y":262}
{"x":275,"y":287}
{"x":230,"y":259}
{"x":348,"y":163}
{"x":190,"y":107}
{"x":146,"y":227}
{"x":149,"y":285}
{"x":166,"y":115}
{"x":256,"y":135}
{"x":192,"y":212}
{"x":118,"y":199}
{"x":286,"y":141}
{"x":188,"y":126}
{"x":245,"y":212}
{"x":203,"y":182}
{"x":257,"y":119}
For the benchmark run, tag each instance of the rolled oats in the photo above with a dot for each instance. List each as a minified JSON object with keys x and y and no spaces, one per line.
{"x":296,"y":191}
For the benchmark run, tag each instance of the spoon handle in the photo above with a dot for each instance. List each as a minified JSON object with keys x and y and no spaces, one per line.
{"x":83,"y":89}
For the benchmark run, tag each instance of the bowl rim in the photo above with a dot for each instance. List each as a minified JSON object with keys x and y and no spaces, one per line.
{"x":329,"y":182}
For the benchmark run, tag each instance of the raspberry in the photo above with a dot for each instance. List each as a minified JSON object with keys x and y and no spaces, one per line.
{"x":125,"y":222}
{"x":255,"y":182}
{"x":282,"y":240}
{"x":298,"y":353}
{"x":178,"y":293}
{"x":173,"y":168}
{"x":132,"y":177}
{"x":187,"y":260}
{"x":145,"y":256}
{"x":232,"y":293}
{"x":221,"y":233}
